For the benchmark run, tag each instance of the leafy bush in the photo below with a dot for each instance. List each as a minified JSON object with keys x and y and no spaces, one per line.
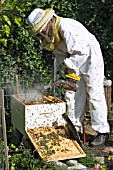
{"x":26,"y":161}
{"x":88,"y":161}
{"x":18,"y":48}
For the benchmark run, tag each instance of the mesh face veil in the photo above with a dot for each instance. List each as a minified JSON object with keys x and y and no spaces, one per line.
{"x":48,"y":35}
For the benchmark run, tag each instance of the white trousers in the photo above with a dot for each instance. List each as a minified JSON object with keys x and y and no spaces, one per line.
{"x":92,"y":76}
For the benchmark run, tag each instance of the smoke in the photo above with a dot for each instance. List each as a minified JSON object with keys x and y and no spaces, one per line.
{"x":33,"y":94}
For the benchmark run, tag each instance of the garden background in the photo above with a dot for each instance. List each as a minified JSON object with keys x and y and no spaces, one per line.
{"x":20,"y":53}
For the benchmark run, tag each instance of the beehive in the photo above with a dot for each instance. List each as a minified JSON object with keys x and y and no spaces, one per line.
{"x":43,"y":123}
{"x":35,"y":114}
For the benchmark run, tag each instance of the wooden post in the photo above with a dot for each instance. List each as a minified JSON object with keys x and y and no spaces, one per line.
{"x":108,"y":91}
{"x":84,"y":133}
{"x":4,"y":130}
{"x":17,"y":83}
{"x":17,"y":86}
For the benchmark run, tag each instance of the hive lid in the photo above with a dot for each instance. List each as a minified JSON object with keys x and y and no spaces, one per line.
{"x":55,"y":143}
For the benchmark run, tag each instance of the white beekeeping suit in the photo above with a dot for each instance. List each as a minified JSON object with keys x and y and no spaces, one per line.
{"x":75,"y":46}
{"x":80,"y":51}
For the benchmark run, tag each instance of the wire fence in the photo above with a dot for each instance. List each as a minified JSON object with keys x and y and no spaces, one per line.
{"x":15,"y":83}
{"x":7,"y":83}
{"x":12,"y":83}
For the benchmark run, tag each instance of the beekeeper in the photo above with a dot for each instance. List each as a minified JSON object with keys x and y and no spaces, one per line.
{"x":76,"y":48}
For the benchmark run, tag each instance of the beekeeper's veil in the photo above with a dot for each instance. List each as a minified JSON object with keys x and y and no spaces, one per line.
{"x":38,"y":20}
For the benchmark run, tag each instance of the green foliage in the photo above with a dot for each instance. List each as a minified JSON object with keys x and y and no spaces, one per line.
{"x":89,"y":161}
{"x":26,"y":161}
{"x":18,"y":48}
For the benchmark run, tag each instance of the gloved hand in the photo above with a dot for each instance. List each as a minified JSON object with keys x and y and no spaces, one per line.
{"x":63,"y":70}
{"x":71,"y":65}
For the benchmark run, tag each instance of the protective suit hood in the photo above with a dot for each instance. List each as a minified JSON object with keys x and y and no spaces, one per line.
{"x":38,"y":20}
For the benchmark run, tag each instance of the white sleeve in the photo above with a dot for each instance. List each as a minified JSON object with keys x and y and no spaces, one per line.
{"x":73,"y":49}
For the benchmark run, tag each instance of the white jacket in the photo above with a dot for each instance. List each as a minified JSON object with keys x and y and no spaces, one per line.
{"x":81,"y":52}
